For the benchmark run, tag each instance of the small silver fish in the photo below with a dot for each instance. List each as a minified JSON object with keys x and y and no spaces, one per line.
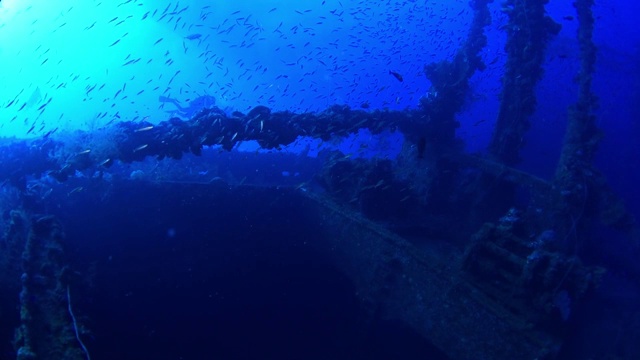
{"x":141,"y":147}
{"x":146,"y":128}
{"x":75,"y":190}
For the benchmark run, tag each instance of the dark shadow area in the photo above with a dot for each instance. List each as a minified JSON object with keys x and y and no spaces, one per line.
{"x":200,"y":273}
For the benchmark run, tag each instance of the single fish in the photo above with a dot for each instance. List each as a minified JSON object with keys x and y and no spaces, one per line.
{"x":193,"y":36}
{"x":396,"y":75}
{"x":141,"y":147}
{"x":146,"y":128}
{"x":75,"y":190}
{"x":106,"y":163}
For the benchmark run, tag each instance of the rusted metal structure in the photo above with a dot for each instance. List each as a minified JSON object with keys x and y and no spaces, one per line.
{"x":497,"y":274}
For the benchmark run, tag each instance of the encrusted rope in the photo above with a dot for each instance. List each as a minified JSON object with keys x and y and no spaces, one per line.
{"x":75,"y":325}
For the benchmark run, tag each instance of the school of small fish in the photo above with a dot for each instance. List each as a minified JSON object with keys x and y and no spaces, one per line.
{"x":302,"y":57}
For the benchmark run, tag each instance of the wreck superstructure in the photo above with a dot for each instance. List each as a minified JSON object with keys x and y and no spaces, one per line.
{"x":494,"y":260}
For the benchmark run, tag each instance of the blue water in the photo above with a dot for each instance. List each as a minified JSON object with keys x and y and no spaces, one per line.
{"x":83,"y":66}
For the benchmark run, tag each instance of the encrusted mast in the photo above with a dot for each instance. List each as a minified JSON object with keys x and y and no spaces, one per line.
{"x":528,"y":31}
{"x":584,"y":194}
